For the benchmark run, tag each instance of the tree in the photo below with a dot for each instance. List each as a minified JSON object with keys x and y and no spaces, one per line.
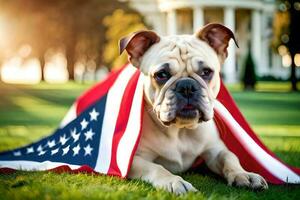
{"x":287,"y":31}
{"x":119,"y":24}
{"x":74,"y":25}
{"x":249,"y":77}
{"x":294,"y":39}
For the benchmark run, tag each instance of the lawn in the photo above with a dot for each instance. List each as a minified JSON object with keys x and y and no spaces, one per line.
{"x":28,"y":113}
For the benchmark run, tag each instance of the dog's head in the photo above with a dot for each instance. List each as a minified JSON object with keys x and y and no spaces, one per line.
{"x":182,"y":71}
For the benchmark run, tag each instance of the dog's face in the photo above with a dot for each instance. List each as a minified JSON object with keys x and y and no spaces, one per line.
{"x":181,"y":72}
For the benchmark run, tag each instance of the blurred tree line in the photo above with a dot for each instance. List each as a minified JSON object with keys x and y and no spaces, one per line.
{"x":287,"y":32}
{"x":85,"y":29}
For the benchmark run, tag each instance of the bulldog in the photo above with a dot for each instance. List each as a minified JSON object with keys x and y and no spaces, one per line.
{"x":182,"y":80}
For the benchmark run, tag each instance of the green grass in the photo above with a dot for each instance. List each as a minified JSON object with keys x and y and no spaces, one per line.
{"x":28,"y":113}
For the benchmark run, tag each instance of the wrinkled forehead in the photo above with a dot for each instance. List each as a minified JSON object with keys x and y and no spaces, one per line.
{"x":182,"y":52}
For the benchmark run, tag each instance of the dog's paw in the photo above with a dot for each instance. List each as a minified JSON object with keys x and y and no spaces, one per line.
{"x":175,"y":184}
{"x":247,"y":179}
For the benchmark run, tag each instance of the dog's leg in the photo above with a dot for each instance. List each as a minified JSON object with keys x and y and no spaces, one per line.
{"x":222,"y":161}
{"x":158,"y":176}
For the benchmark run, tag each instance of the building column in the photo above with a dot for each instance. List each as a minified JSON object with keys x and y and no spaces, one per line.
{"x":256,"y":43}
{"x":229,"y":68}
{"x":171,"y":22}
{"x":198,"y":18}
{"x":265,"y":67}
{"x":157,"y":20}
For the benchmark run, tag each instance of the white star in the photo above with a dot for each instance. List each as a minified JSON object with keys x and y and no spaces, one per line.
{"x":29,"y":150}
{"x":17,"y":153}
{"x":73,"y":131}
{"x":76,"y":150}
{"x":74,"y":135}
{"x":51,"y":143}
{"x":42,"y":153}
{"x":88,"y":150}
{"x":54,"y":151}
{"x":40,"y":148}
{"x":89,"y":135}
{"x":63,"y":139}
{"x":66,"y":150}
{"x":83,"y":124}
{"x":94,"y":114}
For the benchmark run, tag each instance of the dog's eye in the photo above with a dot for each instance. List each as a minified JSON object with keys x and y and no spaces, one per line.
{"x":162,"y":76}
{"x":206,"y":73}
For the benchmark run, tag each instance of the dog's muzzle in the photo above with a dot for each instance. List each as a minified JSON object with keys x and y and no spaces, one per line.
{"x":192,"y":101}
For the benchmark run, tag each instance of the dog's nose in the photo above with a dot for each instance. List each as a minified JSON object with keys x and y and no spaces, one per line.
{"x":186,"y":87}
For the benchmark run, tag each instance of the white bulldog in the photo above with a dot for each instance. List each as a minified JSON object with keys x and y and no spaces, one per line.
{"x":182,"y":80}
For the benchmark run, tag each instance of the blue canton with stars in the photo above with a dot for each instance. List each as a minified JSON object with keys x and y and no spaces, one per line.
{"x":77,"y":143}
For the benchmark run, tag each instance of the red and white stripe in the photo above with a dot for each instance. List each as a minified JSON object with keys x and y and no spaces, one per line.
{"x":118,"y":111}
{"x":132,"y":132}
{"x":274,"y":166}
{"x":240,"y":139}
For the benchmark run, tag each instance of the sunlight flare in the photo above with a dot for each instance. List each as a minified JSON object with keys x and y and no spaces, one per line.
{"x":18,"y":71}
{"x":56,"y":68}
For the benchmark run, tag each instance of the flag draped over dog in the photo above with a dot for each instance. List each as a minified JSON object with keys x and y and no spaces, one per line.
{"x":101,"y":131}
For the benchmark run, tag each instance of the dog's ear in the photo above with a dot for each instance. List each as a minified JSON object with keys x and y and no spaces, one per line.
{"x":137,"y":44}
{"x":217,"y":36}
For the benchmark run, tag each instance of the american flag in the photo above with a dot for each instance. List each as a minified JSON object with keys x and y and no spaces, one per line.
{"x":98,"y":134}
{"x":101,"y":131}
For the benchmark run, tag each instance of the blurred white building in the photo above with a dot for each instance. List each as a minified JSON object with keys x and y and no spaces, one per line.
{"x":251,"y":20}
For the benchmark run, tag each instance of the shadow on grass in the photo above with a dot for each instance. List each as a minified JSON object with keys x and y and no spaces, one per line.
{"x":269,"y":108}
{"x":22,"y":105}
{"x":54,"y":96}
